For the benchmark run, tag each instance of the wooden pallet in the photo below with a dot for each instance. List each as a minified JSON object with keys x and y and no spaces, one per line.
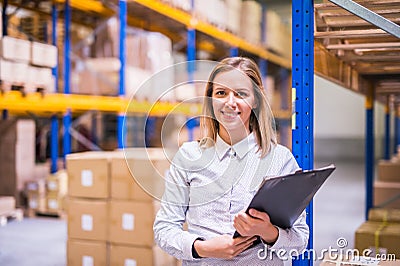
{"x":45,"y":213}
{"x":16,"y":214}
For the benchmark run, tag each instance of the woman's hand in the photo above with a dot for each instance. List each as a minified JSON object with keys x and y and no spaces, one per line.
{"x":223,"y":246}
{"x":256,"y":224}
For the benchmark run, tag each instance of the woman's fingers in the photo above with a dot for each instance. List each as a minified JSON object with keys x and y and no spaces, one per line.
{"x":245,"y":245}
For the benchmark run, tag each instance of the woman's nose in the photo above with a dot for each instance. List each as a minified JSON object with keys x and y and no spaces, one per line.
{"x":231,"y":99}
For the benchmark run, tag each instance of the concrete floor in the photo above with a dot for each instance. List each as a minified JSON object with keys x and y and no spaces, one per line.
{"x":338,"y":211}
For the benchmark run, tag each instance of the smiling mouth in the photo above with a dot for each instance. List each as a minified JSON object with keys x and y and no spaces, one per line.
{"x":231,"y":114}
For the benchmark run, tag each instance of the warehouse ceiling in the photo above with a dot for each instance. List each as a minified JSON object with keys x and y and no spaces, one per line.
{"x":359,"y":45}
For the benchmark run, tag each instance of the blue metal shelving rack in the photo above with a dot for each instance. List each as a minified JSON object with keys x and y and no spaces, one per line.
{"x":369,"y":148}
{"x":303,"y":93}
{"x":54,"y":118}
{"x":121,"y":132}
{"x":386,"y":151}
{"x":67,"y":119}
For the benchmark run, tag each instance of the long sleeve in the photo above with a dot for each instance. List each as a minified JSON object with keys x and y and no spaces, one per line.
{"x":168,"y":225}
{"x":294,"y":238}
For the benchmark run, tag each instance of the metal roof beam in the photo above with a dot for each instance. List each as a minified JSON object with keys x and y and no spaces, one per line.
{"x":369,"y":16}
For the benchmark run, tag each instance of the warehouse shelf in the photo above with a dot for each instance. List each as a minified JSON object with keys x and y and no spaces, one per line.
{"x":192,"y":22}
{"x":170,"y":21}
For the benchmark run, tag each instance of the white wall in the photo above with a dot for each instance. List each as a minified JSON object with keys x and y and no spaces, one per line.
{"x":339,"y":122}
{"x":338,"y":112}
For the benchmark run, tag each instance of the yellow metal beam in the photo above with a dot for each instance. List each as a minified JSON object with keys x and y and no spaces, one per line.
{"x":59,"y":103}
{"x":212,"y":31}
{"x":89,"y":6}
{"x":49,"y":104}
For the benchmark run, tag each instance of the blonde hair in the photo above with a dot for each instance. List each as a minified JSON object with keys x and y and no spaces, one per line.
{"x":261,"y":118}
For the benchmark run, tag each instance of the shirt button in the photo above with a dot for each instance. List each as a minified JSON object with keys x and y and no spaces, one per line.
{"x":232,"y":153}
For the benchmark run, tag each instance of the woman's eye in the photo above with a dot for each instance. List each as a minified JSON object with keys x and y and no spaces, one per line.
{"x":220,"y":93}
{"x":242,"y":94}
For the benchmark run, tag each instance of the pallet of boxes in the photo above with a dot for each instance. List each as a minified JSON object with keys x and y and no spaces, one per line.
{"x":26,"y":66}
{"x":381,"y":233}
{"x":46,"y":196}
{"x":110,"y":216}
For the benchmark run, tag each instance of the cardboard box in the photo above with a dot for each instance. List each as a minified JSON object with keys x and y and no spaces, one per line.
{"x":87,"y":219}
{"x":384,"y":215}
{"x":388,"y":171}
{"x":15,"y":49}
{"x":5,"y":70}
{"x":276,"y":34}
{"x":132,"y":222}
{"x":17,"y":156}
{"x":131,"y":255}
{"x":57,"y":183}
{"x":138,"y":174}
{"x":54,"y":202}
{"x":7,"y":204}
{"x":43,"y":54}
{"x":37,"y":187}
{"x":36,"y":202}
{"x":88,"y":175}
{"x":252,"y":22}
{"x":86,"y":253}
{"x":381,"y":238}
{"x":386,"y":194}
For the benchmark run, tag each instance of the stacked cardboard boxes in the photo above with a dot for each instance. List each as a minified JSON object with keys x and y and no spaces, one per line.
{"x":277,"y":35}
{"x":26,"y":65}
{"x":35,"y":191}
{"x":17,"y":156}
{"x":110,"y":216}
{"x":46,"y":195}
{"x":233,"y":13}
{"x":381,"y":233}
{"x":149,"y":53}
{"x":387,"y":187}
{"x":251,"y":19}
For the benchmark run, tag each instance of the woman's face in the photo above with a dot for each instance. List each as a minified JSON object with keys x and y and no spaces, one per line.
{"x":233,"y":99}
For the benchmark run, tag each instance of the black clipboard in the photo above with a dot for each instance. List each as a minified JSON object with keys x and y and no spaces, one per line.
{"x":284,"y":198}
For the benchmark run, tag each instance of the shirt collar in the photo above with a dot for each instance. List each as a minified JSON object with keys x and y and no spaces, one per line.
{"x":241,"y":148}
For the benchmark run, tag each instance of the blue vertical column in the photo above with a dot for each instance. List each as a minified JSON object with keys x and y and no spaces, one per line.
{"x":303,"y":96}
{"x":233,"y":51}
{"x":4,"y":18}
{"x":54,"y":118}
{"x":387,"y":130}
{"x":397,"y":129}
{"x":369,"y":148}
{"x":54,"y":18}
{"x":122,"y":52}
{"x":191,"y":57}
{"x":4,"y":21}
{"x":262,"y":63}
{"x":4,"y":114}
{"x":67,"y":119}
{"x":54,"y":143}
{"x":191,"y":53}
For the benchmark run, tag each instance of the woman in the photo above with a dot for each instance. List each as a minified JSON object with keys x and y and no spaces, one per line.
{"x":212,"y":181}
